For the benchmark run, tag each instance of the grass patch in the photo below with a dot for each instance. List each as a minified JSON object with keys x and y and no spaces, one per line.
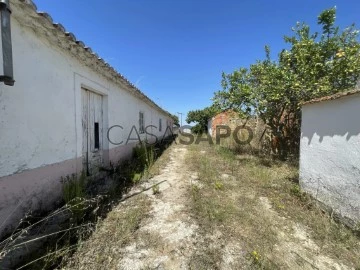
{"x":150,"y":240}
{"x":233,"y":204}
{"x":207,"y":259}
{"x":156,"y":189}
{"x":73,"y":187}
{"x":102,"y":250}
{"x":332,"y":237}
{"x":43,"y":239}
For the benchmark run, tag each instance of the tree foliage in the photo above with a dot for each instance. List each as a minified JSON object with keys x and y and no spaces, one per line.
{"x":315,"y":65}
{"x":175,"y":118}
{"x":201,"y":118}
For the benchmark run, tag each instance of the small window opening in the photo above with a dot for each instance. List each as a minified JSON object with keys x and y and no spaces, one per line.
{"x":141,"y":123}
{"x":96,"y":135}
{"x":5,"y":35}
{"x":160,"y":124}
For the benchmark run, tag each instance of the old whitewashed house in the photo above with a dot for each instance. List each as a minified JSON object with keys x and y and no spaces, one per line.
{"x":68,"y":111}
{"x":330,"y":153}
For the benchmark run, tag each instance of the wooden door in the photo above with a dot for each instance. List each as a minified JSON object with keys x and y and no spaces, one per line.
{"x":92,"y":126}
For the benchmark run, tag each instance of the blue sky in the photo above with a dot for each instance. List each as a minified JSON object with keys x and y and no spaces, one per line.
{"x":175,"y":51}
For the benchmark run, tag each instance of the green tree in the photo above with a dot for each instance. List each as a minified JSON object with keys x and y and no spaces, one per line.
{"x":315,"y":65}
{"x":175,"y":119}
{"x":201,"y":118}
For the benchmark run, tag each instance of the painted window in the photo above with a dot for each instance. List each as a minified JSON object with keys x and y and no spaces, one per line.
{"x":141,"y":123}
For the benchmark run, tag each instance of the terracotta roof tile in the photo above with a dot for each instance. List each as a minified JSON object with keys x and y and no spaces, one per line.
{"x":72,"y":38}
{"x":332,"y":97}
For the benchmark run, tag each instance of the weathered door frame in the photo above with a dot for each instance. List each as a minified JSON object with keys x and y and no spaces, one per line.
{"x":81,"y":82}
{"x":92,"y":130}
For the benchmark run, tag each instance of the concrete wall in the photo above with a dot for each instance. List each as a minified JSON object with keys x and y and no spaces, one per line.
{"x":40,"y":121}
{"x":330,"y":154}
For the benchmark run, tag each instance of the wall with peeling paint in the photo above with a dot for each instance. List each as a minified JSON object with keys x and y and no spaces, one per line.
{"x":330,"y":155}
{"x":40,"y":117}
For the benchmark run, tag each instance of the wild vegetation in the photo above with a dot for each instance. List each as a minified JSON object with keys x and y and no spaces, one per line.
{"x":249,"y":210}
{"x":255,"y":199}
{"x":201,"y":118}
{"x":175,"y":119}
{"x":112,"y":234}
{"x":43,"y":240}
{"x":315,"y":64}
{"x":227,"y":210}
{"x":105,"y":248}
{"x":254,"y":208}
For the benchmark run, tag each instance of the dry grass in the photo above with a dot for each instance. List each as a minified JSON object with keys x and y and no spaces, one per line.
{"x":103,"y":249}
{"x":42,"y":243}
{"x":208,"y":258}
{"x":257,"y":202}
{"x":150,"y":240}
{"x":160,"y":163}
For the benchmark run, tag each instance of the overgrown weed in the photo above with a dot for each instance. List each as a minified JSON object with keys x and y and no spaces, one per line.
{"x":58,"y":234}
{"x":237,"y":211}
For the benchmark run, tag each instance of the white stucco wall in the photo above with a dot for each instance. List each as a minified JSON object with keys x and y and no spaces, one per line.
{"x":330,"y":154}
{"x":40,"y":118}
{"x":41,"y":115}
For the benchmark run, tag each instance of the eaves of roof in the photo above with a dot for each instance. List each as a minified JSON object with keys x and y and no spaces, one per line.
{"x":56,"y":33}
{"x":332,"y":97}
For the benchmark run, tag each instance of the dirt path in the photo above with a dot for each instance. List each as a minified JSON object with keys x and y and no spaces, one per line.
{"x":156,"y":230}
{"x":166,"y":239}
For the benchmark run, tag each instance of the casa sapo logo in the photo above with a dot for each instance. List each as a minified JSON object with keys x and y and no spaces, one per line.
{"x":241,"y":134}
